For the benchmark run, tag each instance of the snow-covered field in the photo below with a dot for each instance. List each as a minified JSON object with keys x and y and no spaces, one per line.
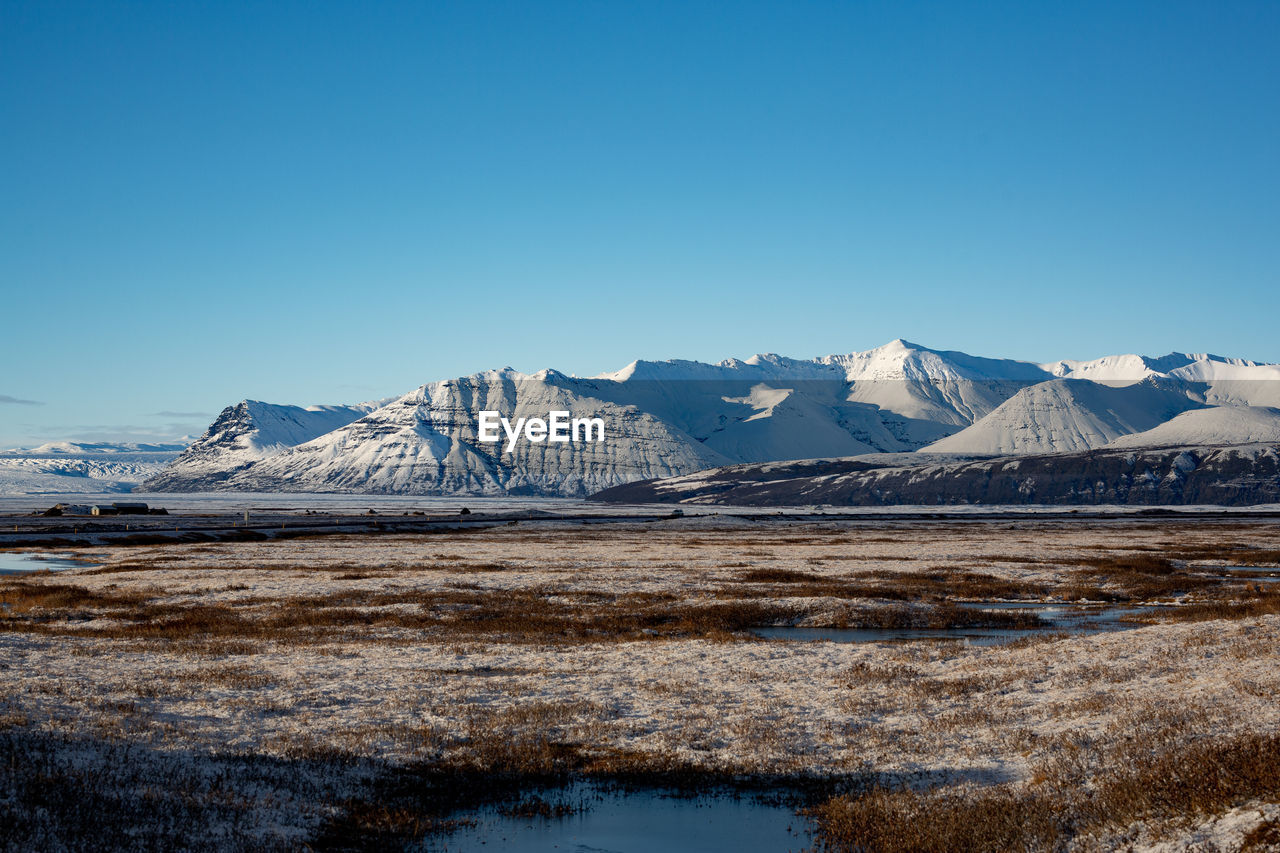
{"x":76,"y":476}
{"x":225,"y":502}
{"x":328,"y":666}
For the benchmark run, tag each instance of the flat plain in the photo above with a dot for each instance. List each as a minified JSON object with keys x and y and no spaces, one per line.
{"x":359,"y":691}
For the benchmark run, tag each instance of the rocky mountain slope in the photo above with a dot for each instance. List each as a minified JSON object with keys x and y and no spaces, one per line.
{"x":1228,"y":476}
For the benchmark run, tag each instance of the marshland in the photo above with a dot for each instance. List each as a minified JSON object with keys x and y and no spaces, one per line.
{"x":1005,"y":683}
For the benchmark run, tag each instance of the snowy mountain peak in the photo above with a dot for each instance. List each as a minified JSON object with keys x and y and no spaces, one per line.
{"x":253,"y":430}
{"x":508,"y":374}
{"x":1198,"y":367}
{"x":900,"y":359}
{"x":671,"y":370}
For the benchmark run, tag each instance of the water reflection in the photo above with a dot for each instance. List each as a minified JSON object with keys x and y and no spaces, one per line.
{"x":635,"y":822}
{"x":1055,"y":618}
{"x":25,"y":564}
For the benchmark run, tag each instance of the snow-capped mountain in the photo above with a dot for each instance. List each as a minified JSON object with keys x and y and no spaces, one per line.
{"x":667,"y":418}
{"x":248,"y":432}
{"x":427,"y":441}
{"x":1199,"y":367}
{"x":933,"y":392}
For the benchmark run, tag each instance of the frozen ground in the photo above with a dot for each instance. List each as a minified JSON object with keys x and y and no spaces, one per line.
{"x":223,"y":502}
{"x":230,"y":502}
{"x":25,"y":476}
{"x":322,"y":668}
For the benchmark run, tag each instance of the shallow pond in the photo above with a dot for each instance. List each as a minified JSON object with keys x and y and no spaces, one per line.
{"x":635,"y":822}
{"x":1075,"y":619}
{"x":1260,"y":574}
{"x":25,"y":564}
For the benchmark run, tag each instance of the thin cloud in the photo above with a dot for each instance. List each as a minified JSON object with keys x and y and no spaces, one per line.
{"x":15,"y":401}
{"x":170,"y":433}
{"x":136,"y":436}
{"x":180,"y":414}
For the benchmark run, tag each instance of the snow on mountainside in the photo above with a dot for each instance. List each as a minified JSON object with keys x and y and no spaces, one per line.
{"x":1115,"y":368}
{"x":250,"y":431}
{"x":676,"y":417}
{"x":1067,"y":415}
{"x":1194,"y":367}
{"x":1220,"y":425}
{"x":932,"y":392}
{"x":427,"y":441}
{"x":901,"y":359}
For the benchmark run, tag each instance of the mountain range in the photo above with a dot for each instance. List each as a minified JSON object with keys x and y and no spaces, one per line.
{"x":674,"y":418}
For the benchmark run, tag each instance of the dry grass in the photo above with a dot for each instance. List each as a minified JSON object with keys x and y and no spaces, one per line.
{"x":491,"y":647}
{"x":1262,"y":601}
{"x":19,"y":597}
{"x":1145,"y":780}
{"x":531,"y":615}
{"x":768,"y":591}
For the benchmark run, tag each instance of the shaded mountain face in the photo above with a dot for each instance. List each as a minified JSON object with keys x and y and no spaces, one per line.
{"x":676,"y":417}
{"x":1242,"y":475}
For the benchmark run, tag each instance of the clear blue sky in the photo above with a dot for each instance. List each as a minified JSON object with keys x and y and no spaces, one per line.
{"x":325,"y":202}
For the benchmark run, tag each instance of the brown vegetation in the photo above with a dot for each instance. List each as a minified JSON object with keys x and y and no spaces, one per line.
{"x":1142,"y":780}
{"x":492,"y":717}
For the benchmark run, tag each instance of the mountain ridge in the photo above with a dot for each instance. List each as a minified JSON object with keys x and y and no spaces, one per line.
{"x":671,"y":418}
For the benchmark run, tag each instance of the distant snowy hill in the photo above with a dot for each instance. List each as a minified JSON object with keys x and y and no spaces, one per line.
{"x":1067,"y":415}
{"x":668,"y":418}
{"x":66,"y":467}
{"x":1201,"y":367}
{"x":82,"y":448}
{"x":1216,"y":426}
